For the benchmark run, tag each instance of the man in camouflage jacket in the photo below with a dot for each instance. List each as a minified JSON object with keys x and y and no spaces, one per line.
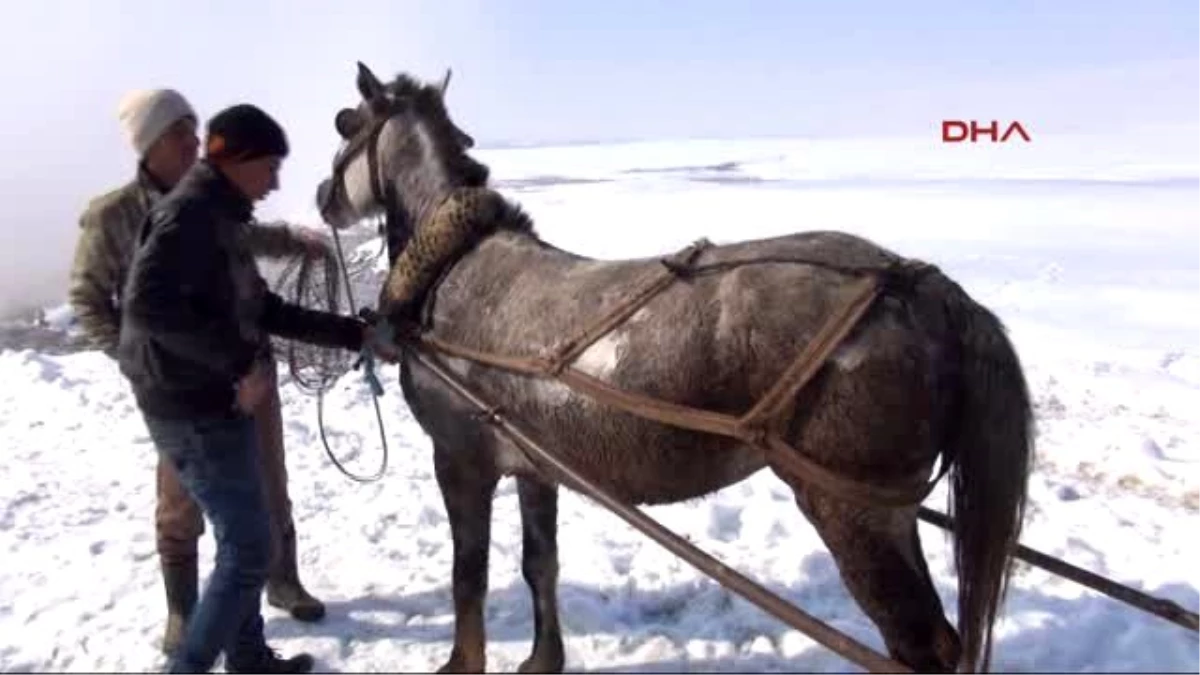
{"x":161,"y":126}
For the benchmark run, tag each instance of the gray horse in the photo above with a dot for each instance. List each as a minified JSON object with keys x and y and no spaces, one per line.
{"x":926,"y":374}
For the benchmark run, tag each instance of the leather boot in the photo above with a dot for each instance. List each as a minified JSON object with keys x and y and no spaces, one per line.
{"x":270,"y":662}
{"x":181,"y":581}
{"x":284,"y":590}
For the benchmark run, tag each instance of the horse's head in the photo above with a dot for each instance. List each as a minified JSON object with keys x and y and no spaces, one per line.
{"x":402,"y":154}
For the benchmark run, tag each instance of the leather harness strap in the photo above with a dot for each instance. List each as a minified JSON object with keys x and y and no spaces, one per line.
{"x":758,"y":427}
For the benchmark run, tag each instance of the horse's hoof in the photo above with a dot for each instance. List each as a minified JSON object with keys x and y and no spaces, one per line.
{"x":459,"y":665}
{"x":542,"y":664}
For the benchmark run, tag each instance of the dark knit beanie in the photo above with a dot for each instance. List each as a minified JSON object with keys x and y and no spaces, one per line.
{"x":242,"y":133}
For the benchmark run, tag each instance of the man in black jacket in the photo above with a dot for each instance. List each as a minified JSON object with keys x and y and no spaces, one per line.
{"x":194,"y":346}
{"x":161,"y":126}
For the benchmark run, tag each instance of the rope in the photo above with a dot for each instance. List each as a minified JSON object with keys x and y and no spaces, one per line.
{"x":316,"y":369}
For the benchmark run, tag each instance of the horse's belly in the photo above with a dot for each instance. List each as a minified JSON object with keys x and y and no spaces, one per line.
{"x":639,"y":460}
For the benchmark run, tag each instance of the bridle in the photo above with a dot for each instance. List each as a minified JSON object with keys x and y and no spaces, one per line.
{"x":384,"y":193}
{"x":382,"y":190}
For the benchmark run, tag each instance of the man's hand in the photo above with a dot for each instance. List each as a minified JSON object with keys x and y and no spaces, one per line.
{"x":316,"y":245}
{"x":253,"y":389}
{"x":381,"y":343}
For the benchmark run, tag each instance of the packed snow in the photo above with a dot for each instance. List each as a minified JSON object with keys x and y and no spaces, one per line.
{"x":1092,"y":259}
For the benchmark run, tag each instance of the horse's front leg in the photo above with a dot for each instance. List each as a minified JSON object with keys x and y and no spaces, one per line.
{"x":539,"y":520}
{"x":467,"y":491}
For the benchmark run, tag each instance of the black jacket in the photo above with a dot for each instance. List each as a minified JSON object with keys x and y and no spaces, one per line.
{"x":196,"y":312}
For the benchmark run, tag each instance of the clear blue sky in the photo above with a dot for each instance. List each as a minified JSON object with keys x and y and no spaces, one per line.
{"x":541,"y":70}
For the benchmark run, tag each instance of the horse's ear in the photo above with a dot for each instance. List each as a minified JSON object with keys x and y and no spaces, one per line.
{"x":368,"y":85}
{"x":445,"y":84}
{"x":348,"y":123}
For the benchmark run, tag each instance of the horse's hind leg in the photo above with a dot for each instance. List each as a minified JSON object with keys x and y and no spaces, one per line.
{"x":879,"y":555}
{"x":467,"y":491}
{"x":539,"y":564}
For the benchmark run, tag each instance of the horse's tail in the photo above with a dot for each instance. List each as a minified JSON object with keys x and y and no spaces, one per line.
{"x":991,"y":446}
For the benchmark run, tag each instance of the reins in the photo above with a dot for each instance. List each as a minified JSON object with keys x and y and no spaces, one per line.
{"x":366,"y":361}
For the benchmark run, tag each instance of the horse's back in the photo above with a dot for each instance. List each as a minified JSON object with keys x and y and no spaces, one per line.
{"x":531,"y":297}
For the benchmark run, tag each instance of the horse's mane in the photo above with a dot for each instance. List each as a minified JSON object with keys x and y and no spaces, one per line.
{"x":404,"y":84}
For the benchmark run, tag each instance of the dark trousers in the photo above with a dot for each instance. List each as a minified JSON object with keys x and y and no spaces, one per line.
{"x":177,"y":518}
{"x":217,"y":462}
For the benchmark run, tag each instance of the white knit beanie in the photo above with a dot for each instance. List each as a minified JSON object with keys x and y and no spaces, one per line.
{"x":146,"y":114}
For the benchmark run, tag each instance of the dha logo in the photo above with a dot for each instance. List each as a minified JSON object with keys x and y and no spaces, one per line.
{"x":957,"y":131}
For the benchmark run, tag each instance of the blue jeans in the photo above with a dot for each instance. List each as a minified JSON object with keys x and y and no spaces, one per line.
{"x":217,"y":461}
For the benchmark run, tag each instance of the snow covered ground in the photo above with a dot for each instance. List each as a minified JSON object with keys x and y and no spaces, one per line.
{"x":1091,"y":257}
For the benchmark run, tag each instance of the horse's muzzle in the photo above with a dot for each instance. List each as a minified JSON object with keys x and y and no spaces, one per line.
{"x":325,"y":205}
